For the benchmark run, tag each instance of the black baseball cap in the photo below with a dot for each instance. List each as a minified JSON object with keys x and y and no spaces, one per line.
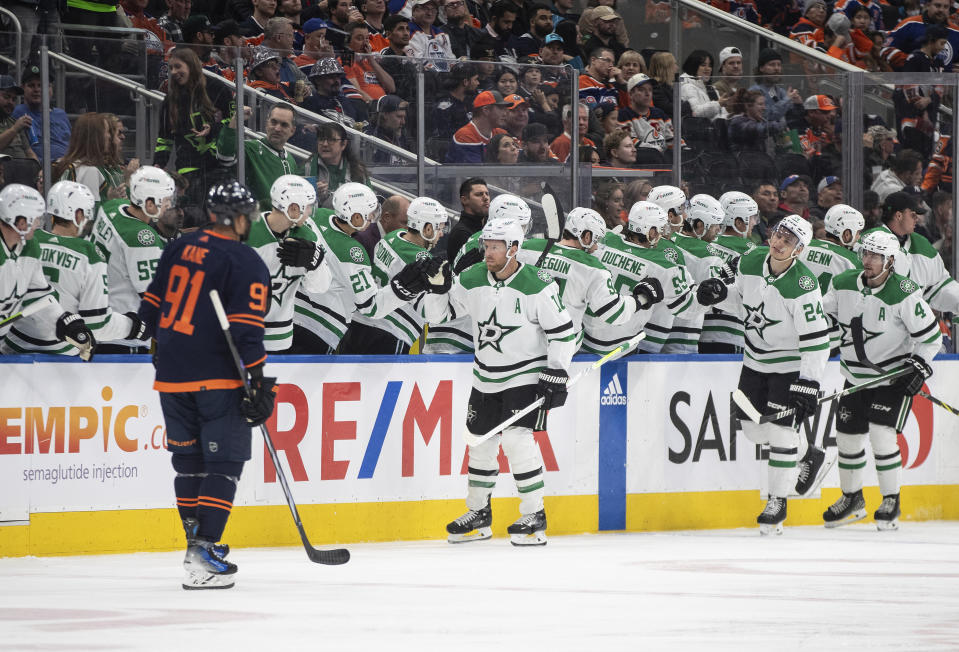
{"x":30,"y":72}
{"x":901,"y":201}
{"x":195,"y":24}
{"x":8,"y":83}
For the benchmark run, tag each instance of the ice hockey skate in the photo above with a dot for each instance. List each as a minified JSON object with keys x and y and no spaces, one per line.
{"x":205,"y":569}
{"x":848,"y":509}
{"x":529,"y":530}
{"x":771,"y":519}
{"x":887,"y":516}
{"x":474,"y":525}
{"x":190,"y":526}
{"x":813,"y":468}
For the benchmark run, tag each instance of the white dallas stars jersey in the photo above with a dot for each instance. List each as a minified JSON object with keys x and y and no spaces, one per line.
{"x":521,"y":325}
{"x":702,"y":263}
{"x":718,"y":325}
{"x":392,"y":253}
{"x":455,"y":335}
{"x":22,"y":282}
{"x":923,"y":265}
{"x":628,"y":264}
{"x":896,"y":322}
{"x":284,"y":281}
{"x":352,"y":288}
{"x":78,"y":274}
{"x":132,"y":250}
{"x":826,"y":259}
{"x":785,"y":327}
{"x":585,"y":285}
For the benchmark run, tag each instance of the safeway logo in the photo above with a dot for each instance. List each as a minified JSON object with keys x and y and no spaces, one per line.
{"x":613,"y":394}
{"x":922,"y":410}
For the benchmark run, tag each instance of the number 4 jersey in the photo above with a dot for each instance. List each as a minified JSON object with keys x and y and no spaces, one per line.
{"x":192,"y":352}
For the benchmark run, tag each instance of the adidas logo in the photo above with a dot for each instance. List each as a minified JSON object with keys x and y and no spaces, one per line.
{"x":613,"y":394}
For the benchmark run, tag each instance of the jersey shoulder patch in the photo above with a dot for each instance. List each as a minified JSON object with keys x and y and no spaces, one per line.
{"x":797,"y":281}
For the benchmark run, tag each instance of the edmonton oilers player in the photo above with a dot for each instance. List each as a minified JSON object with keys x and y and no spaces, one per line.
{"x":208,"y":417}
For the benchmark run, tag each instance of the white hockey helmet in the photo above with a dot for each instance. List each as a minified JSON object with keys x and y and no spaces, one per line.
{"x":291,"y":190}
{"x":879,"y":242}
{"x":707,"y":210}
{"x":667,"y":197}
{"x":643,"y":216}
{"x":798,"y":227}
{"x":739,"y":205}
{"x":582,"y":220}
{"x":423,"y":211}
{"x":150,"y":182}
{"x":505,"y":229}
{"x":352,"y":199}
{"x":20,"y":208}
{"x":67,"y":197}
{"x":841,"y":218}
{"x":512,"y":207}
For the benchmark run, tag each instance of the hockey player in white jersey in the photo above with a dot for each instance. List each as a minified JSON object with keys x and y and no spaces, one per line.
{"x":131,"y":236}
{"x":287,"y":242}
{"x":22,"y":282}
{"x":323,"y":318}
{"x":833,"y":255}
{"x":886,"y":325}
{"x":585,"y":285}
{"x":78,"y":274}
{"x":395,"y":333}
{"x":524,"y":341}
{"x":672,"y":200}
{"x":787,"y":346}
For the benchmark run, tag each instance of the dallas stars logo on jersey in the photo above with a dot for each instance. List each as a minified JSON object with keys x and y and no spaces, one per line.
{"x":756,"y":318}
{"x":491,"y":333}
{"x":845,"y":337}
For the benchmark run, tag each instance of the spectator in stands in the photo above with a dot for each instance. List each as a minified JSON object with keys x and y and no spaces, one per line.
{"x":540,"y":26}
{"x":459,"y":26}
{"x":374,"y":13}
{"x":552,"y":54}
{"x":315,"y":45}
{"x":808,"y":30}
{"x":255,"y":24}
{"x":424,"y":17}
{"x":589,"y":154}
{"x":530,"y":79}
{"x":603,"y":120}
{"x":278,"y":36}
{"x":264,"y":72}
{"x":470,"y":141}
{"x":342,"y":13}
{"x":828,"y":194}
{"x":517,"y":116}
{"x":696,"y":89}
{"x":13,"y":131}
{"x":392,"y":217}
{"x":328,"y":98}
{"x":779,"y":100}
{"x":172,"y":21}
{"x":868,"y":12}
{"x":879,"y":143}
{"x":636,"y":190}
{"x":917,"y":105}
{"x":599,"y":26}
{"x":503,"y":16}
{"x":135,"y":12}
{"x":389,"y":124}
{"x":189,"y":126}
{"x":630,"y":63}
{"x":572,"y":52}
{"x":730,"y":72}
{"x":794,"y":196}
{"x":506,"y":81}
{"x":767,"y":199}
{"x":33,"y":85}
{"x":229,"y":44}
{"x":562,"y":10}
{"x":817,"y":129}
{"x":503,"y":150}
{"x":662,"y":70}
{"x":748,"y":128}
{"x":474,"y":198}
{"x":451,"y":110}
{"x":536,"y":144}
{"x":198,"y":35}
{"x":291,"y":10}
{"x":619,"y":150}
{"x":608,"y":202}
{"x":365,"y":73}
{"x":595,"y":85}
{"x":335,"y":160}
{"x":403,"y":74}
{"x":904,"y":173}
{"x":650,"y":128}
{"x":563,"y":144}
{"x":91,"y":158}
{"x":908,"y":35}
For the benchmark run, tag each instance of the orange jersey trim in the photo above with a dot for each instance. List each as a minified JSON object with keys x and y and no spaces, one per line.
{"x":244,"y":315}
{"x":237,"y":320}
{"x":253,"y":364}
{"x":152,"y":299}
{"x":197,"y":385}
{"x":217,"y":235}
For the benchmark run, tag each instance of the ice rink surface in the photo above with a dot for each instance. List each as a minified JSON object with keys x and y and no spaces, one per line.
{"x":811,"y":589}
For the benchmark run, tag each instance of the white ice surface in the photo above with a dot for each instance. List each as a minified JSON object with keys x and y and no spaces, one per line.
{"x":811,"y":589}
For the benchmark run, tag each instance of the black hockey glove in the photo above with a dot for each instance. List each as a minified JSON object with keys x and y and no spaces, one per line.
{"x":552,"y":387}
{"x":410,"y":281}
{"x":72,"y":329}
{"x":803,"y":396}
{"x":467,"y":260}
{"x":727,"y":273}
{"x":647,"y":292}
{"x":711,"y":291}
{"x":138,"y":329}
{"x":297,"y":252}
{"x":919,"y":370}
{"x":439,"y":277}
{"x":258,"y":406}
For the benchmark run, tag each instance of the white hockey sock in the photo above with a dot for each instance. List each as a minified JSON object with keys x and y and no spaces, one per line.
{"x":885,"y":448}
{"x":852,"y":461}
{"x":526,"y":463}
{"x":783,"y":454}
{"x":755,"y":432}
{"x":482,"y":470}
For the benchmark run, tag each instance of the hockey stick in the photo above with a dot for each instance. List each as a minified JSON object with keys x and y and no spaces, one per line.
{"x":329,"y":557}
{"x":757,"y":417}
{"x":552,"y":211}
{"x":476,"y":440}
{"x":40,"y":304}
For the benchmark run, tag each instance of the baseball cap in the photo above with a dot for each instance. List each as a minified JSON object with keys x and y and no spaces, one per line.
{"x":8,"y":83}
{"x":195,"y":24}
{"x":535,"y":131}
{"x":30,"y":72}
{"x":390,"y":103}
{"x":514,"y":101}
{"x":825,"y":182}
{"x":417,"y":3}
{"x":224,"y":28}
{"x":900,"y":201}
{"x":819,"y":102}
{"x":728,"y":52}
{"x":604,"y":13}
{"x":554,"y":38}
{"x":314,"y":24}
{"x":489,"y":98}
{"x":793,"y":178}
{"x":636,"y":80}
